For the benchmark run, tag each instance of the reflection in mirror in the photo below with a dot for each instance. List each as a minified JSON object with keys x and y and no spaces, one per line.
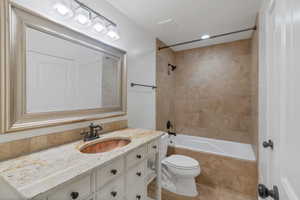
{"x":62,"y":75}
{"x":110,"y":80}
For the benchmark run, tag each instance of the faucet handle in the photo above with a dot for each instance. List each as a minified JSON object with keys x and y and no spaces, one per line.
{"x":99,"y":128}
{"x":85,"y":135}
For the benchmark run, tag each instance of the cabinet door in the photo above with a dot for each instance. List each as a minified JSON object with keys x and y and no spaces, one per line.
{"x":110,"y":172}
{"x":136,"y":156}
{"x":153,"y":147}
{"x":137,"y":175}
{"x":136,"y":192}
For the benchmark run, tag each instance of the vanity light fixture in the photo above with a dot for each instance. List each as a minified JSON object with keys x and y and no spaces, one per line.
{"x":86,"y":16}
{"x":204,"y":37}
{"x":113,"y":33}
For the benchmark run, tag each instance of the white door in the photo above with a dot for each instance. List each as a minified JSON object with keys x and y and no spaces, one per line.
{"x":280,"y":97}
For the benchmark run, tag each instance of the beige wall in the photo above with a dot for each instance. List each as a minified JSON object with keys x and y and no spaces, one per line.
{"x":211,"y":91}
{"x":166,"y":87}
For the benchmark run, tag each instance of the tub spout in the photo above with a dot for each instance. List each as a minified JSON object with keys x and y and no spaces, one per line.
{"x":172,"y":133}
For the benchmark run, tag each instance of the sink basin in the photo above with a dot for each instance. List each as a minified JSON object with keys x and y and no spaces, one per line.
{"x":104,"y":145}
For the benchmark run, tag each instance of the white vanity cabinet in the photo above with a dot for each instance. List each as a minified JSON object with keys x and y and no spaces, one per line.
{"x":124,"y":178}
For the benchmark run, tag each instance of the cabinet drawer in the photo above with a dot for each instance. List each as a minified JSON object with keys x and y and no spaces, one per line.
{"x":77,"y":189}
{"x":113,"y":191}
{"x":136,"y":156}
{"x":153,"y":147}
{"x":110,"y":171}
{"x":137,"y":175}
{"x":136,"y":192}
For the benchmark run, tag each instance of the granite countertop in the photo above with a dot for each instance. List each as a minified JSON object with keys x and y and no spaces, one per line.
{"x":36,"y":173}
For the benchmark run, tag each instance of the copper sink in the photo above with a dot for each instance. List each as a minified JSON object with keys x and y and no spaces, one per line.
{"x":104,"y":146}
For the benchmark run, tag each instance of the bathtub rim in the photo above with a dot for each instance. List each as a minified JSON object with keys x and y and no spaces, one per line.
{"x":250,"y":157}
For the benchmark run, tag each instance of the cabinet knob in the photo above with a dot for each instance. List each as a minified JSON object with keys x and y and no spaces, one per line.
{"x":114,"y":171}
{"x":114,"y":193}
{"x":154,"y":147}
{"x":74,"y":195}
{"x":138,"y":197}
{"x":139,"y":173}
{"x":139,"y":156}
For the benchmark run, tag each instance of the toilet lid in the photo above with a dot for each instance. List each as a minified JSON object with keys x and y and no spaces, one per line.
{"x":180,"y":161}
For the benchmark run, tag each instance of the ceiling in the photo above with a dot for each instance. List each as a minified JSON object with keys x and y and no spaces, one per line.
{"x":174,"y":21}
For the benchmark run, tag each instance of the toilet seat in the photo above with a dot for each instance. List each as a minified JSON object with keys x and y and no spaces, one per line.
{"x":181,"y":162}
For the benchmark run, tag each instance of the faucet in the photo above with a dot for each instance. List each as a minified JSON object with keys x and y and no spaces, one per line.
{"x":93,"y":133}
{"x":172,"y":133}
{"x":169,"y":126}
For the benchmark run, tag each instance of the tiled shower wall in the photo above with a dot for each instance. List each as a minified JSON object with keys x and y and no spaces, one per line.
{"x":165,"y":92}
{"x":254,"y":92}
{"x":210,"y":92}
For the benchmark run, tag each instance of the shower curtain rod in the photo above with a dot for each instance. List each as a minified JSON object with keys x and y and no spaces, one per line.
{"x":211,"y":37}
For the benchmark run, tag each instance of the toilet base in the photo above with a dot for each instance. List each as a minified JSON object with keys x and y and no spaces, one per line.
{"x":183,"y":186}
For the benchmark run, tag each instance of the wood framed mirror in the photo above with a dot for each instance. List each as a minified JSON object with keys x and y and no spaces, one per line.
{"x":56,"y":75}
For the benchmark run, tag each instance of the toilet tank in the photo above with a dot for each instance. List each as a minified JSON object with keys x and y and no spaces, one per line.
{"x":165,"y":140}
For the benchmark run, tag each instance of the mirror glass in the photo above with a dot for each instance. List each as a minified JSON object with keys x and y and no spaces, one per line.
{"x":64,"y":75}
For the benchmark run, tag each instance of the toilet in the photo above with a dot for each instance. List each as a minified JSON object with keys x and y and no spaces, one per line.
{"x":178,"y":171}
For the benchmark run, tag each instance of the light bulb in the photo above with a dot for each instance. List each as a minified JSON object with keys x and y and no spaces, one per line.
{"x":204,"y":37}
{"x":113,"y":34}
{"x":63,"y":10}
{"x":82,"y":17}
{"x":99,"y":25}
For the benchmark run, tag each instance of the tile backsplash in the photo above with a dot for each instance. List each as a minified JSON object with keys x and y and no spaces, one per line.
{"x":25,"y":146}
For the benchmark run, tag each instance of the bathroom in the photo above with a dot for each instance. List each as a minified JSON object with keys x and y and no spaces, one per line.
{"x":149,"y":100}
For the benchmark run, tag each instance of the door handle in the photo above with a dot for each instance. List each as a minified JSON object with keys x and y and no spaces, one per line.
{"x":264,"y":192}
{"x":268,"y":143}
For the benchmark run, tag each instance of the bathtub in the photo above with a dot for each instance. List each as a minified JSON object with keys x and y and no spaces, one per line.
{"x":214,"y":146}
